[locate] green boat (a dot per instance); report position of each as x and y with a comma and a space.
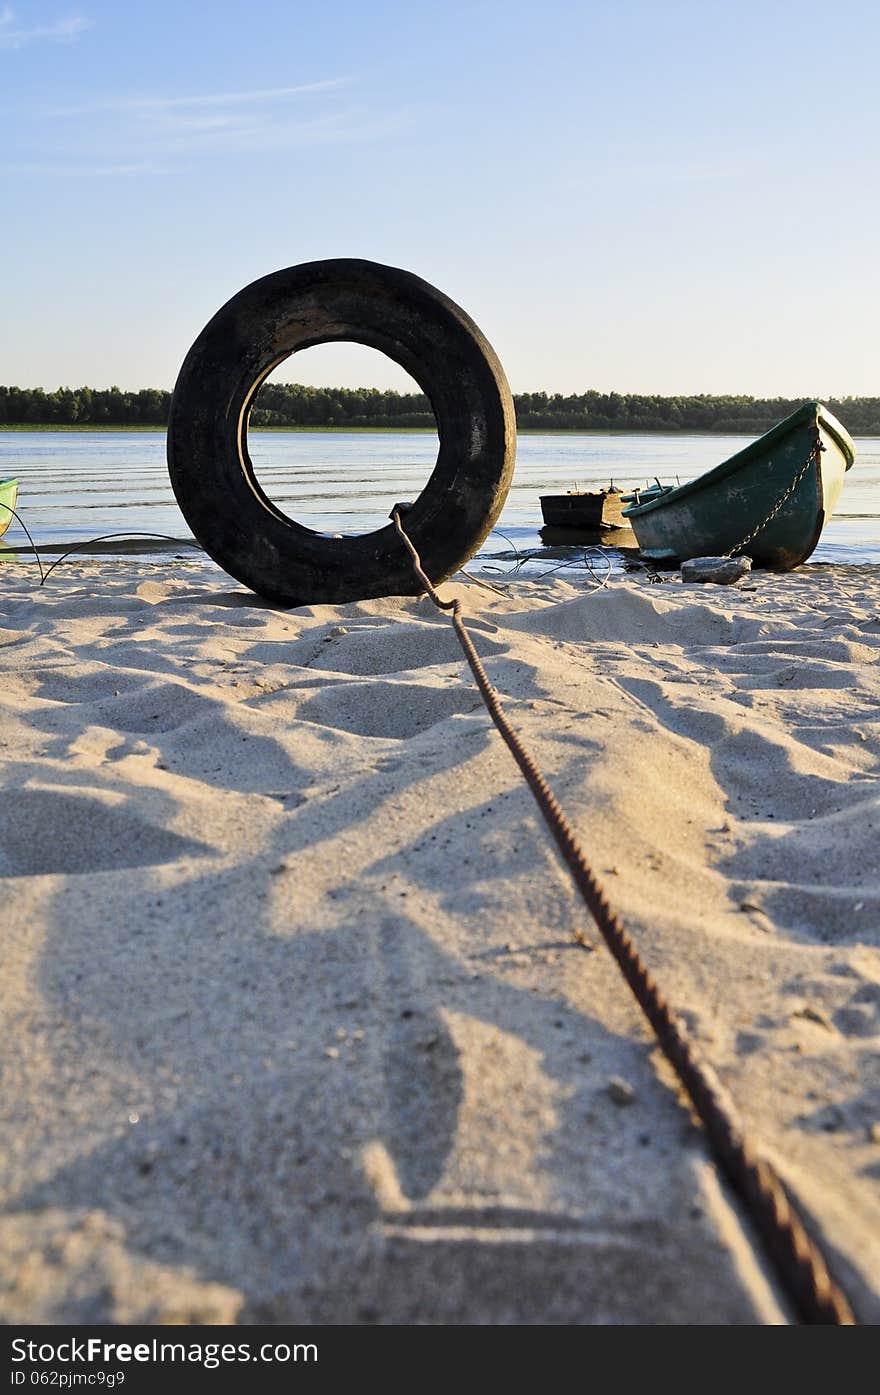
769, 502
8, 496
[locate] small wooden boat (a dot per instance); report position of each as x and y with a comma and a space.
8, 496
769, 502
590, 512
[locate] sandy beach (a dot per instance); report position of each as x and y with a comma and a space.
295, 1027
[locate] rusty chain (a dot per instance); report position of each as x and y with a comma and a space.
797, 1259
815, 452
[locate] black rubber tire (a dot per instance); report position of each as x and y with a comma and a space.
315, 303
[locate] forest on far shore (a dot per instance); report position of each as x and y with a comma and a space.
293, 405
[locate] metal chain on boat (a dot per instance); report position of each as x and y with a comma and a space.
815, 452
798, 1261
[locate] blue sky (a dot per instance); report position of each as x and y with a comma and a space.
648, 197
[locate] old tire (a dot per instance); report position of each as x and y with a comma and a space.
418, 327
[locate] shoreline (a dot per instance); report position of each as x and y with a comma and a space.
20, 428
291, 968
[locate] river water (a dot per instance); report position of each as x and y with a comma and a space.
79, 484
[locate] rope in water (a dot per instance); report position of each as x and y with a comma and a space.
16, 515
46, 572
798, 1261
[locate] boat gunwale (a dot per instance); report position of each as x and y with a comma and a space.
811, 412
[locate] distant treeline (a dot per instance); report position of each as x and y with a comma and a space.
290, 404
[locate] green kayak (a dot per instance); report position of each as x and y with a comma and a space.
769, 502
8, 496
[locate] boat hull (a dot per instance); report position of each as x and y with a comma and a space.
597, 510
8, 496
711, 516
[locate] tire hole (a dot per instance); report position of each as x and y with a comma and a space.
337, 434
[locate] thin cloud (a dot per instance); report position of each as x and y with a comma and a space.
166, 149
63, 31
168, 130
622, 169
185, 137
208, 99
81, 171
697, 174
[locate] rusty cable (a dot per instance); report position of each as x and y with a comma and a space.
796, 1257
